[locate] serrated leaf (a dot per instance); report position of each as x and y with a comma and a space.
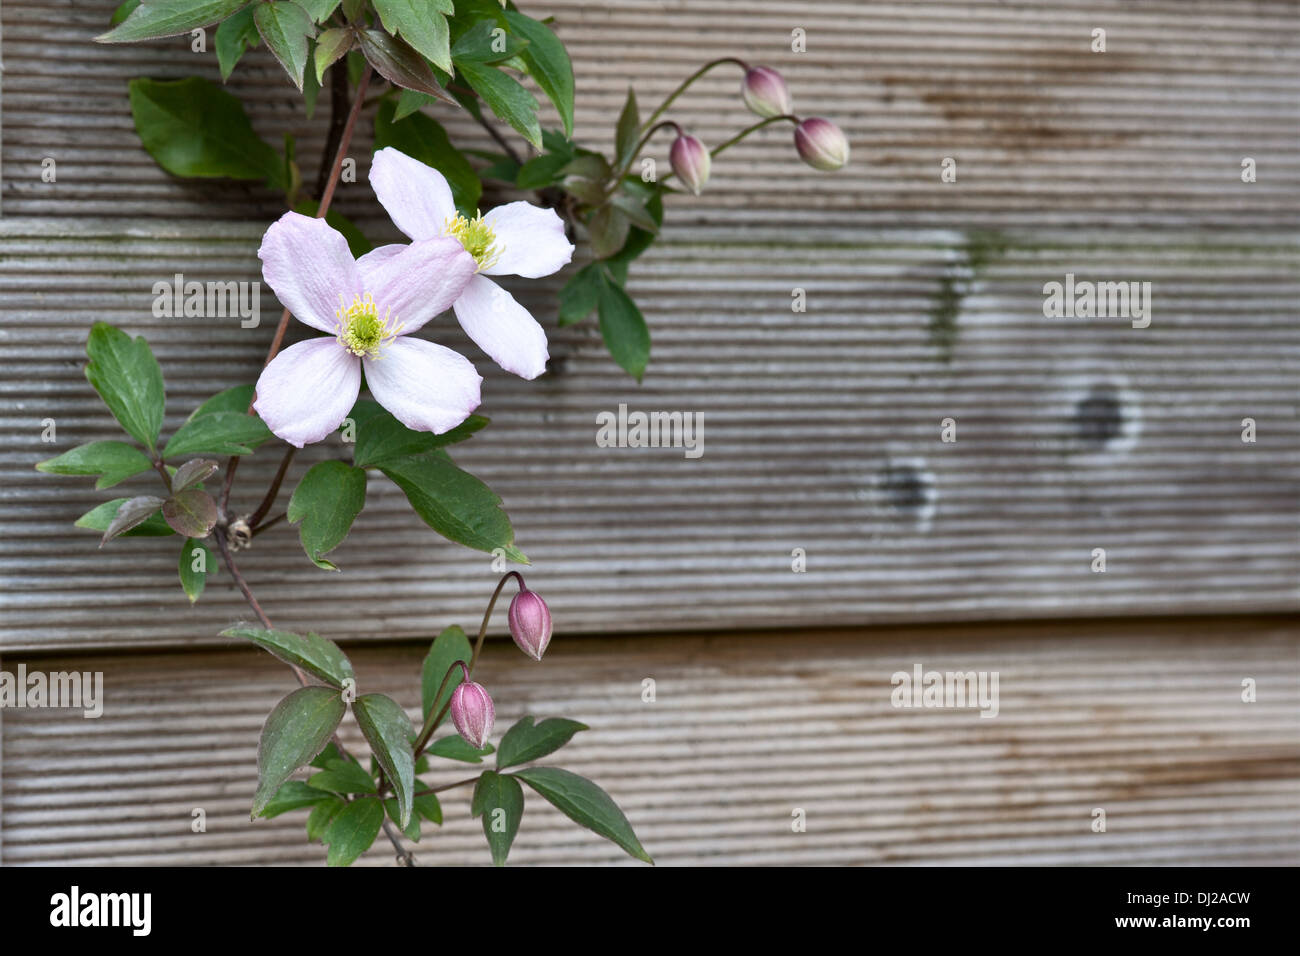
191, 512
526, 741
353, 831
193, 128
505, 97
331, 46
295, 732
499, 800
101, 516
285, 28
400, 65
455, 748
627, 132
548, 64
234, 36
326, 502
112, 461
293, 795
218, 433
127, 377
453, 502
169, 18
421, 25
580, 295
422, 137
448, 647
196, 563
585, 804
624, 330
133, 512
380, 437
388, 731
343, 776
315, 654
193, 472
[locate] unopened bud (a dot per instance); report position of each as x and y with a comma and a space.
472, 713
821, 144
690, 161
765, 92
530, 623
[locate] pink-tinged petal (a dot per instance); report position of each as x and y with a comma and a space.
418, 281
307, 262
532, 240
427, 387
307, 390
502, 328
376, 257
416, 196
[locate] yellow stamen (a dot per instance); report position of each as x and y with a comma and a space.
360, 330
477, 237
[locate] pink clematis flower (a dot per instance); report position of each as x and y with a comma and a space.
369, 307
515, 239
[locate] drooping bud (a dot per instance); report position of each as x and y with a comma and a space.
821, 144
765, 92
472, 713
530, 623
690, 161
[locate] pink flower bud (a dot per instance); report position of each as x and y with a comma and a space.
765, 92
530, 623
691, 161
472, 713
821, 144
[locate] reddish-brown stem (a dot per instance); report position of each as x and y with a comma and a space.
269, 499
450, 786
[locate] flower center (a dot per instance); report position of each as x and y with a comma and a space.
477, 237
361, 330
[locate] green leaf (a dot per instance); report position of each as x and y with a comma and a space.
421, 137
388, 731
194, 472
169, 18
293, 795
499, 800
585, 804
455, 747
453, 502
548, 64
237, 399
343, 776
123, 11
627, 133
297, 730
327, 500
315, 654
412, 828
506, 98
427, 805
624, 330
101, 516
112, 461
234, 36
380, 437
353, 831
400, 65
541, 171
635, 211
330, 46
194, 128
608, 229
322, 815
133, 512
195, 564
526, 741
319, 10
191, 512
421, 24
128, 379
218, 433
285, 28
481, 43
448, 647
581, 293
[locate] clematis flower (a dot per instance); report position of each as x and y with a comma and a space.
515, 239
369, 307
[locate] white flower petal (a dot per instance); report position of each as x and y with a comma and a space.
418, 281
416, 196
427, 387
502, 328
307, 390
307, 263
376, 257
532, 239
